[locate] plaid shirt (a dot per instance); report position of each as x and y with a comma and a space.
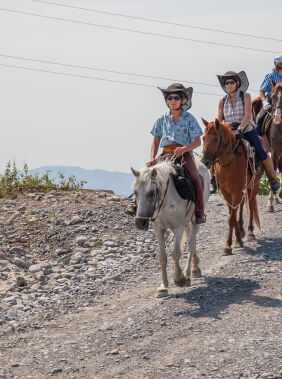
236, 113
266, 84
184, 131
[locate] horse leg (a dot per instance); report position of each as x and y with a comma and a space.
270, 207
241, 221
178, 277
238, 242
253, 213
280, 189
191, 231
162, 290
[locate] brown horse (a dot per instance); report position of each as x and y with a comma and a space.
233, 177
273, 134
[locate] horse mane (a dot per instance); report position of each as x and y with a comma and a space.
164, 169
227, 134
276, 88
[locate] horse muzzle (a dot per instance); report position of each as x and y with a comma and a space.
277, 116
142, 223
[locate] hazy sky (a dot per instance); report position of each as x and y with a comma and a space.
49, 119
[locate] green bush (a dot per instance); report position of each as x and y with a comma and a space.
13, 181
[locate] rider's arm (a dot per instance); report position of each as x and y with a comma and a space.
262, 95
220, 110
154, 148
248, 112
196, 143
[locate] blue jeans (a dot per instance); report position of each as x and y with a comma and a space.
253, 138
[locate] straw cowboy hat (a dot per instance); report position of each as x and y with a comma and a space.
239, 77
186, 94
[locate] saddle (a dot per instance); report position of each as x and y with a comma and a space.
253, 163
183, 182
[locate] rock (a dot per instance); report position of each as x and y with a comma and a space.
61, 251
19, 262
80, 240
12, 218
35, 268
18, 251
21, 282
75, 220
39, 275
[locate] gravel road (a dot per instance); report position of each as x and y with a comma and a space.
88, 308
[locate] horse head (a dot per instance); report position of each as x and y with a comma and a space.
276, 99
146, 191
218, 140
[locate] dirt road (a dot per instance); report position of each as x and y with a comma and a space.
226, 325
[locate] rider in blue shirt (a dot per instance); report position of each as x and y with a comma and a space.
265, 91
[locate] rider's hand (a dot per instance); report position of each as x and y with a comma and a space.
266, 105
179, 151
238, 134
151, 163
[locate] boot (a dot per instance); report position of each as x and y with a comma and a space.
271, 174
131, 208
200, 218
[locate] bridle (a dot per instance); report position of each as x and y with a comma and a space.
222, 149
158, 204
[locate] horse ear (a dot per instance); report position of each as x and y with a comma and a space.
154, 173
135, 172
217, 123
205, 122
272, 83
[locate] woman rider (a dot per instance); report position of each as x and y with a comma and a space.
235, 109
178, 132
265, 91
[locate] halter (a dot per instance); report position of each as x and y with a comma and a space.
223, 146
157, 208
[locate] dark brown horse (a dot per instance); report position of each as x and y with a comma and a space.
233, 177
273, 134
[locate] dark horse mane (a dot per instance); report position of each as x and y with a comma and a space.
276, 88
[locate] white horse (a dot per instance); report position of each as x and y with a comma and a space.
157, 200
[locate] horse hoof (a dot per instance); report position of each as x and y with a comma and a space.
242, 234
251, 237
196, 273
162, 292
276, 200
183, 282
227, 252
270, 209
238, 244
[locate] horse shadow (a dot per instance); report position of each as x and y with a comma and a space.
219, 294
269, 249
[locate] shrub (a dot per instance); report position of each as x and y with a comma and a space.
13, 181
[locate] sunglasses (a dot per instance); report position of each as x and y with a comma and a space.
229, 82
174, 97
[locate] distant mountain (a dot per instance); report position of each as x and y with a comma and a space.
119, 182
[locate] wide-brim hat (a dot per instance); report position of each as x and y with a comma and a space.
240, 77
186, 94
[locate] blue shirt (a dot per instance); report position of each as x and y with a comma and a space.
184, 131
266, 84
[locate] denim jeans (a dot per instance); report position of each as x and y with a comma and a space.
253, 138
